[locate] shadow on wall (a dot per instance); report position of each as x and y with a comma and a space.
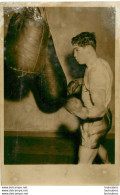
75, 69
50, 86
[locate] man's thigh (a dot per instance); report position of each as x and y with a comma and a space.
93, 133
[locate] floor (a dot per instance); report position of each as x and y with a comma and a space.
59, 149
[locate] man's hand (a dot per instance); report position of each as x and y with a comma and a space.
81, 113
73, 104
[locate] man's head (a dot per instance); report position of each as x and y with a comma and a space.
84, 44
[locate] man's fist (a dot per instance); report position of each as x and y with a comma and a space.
73, 104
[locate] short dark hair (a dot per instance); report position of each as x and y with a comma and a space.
85, 38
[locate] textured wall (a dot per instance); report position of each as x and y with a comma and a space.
64, 24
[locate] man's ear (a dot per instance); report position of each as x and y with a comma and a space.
89, 49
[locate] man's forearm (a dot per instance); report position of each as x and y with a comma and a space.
92, 112
96, 112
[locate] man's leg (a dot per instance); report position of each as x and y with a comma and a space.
91, 136
86, 155
103, 154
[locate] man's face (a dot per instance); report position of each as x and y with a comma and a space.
80, 54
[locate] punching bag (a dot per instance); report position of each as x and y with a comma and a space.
31, 56
26, 42
50, 86
24, 48
15, 88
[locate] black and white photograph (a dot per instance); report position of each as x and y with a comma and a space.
59, 86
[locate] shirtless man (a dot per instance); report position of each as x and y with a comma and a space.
93, 107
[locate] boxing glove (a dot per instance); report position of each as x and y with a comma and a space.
74, 87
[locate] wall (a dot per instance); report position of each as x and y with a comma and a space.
64, 24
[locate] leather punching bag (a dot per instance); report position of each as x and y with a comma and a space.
24, 47
15, 88
26, 42
31, 58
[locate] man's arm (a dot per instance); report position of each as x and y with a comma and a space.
97, 84
98, 109
97, 87
95, 111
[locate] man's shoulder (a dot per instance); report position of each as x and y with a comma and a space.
100, 67
101, 60
100, 74
105, 68
103, 63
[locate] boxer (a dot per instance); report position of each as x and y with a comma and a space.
93, 105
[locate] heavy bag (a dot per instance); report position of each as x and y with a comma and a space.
15, 88
50, 86
24, 48
26, 42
